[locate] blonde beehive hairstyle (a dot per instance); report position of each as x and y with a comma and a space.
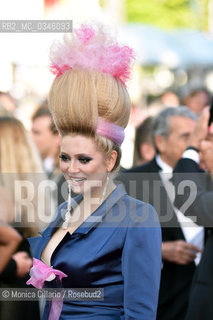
78, 97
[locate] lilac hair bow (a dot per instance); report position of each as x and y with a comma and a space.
40, 272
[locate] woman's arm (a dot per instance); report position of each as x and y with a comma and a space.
141, 265
9, 241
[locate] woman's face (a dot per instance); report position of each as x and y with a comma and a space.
81, 163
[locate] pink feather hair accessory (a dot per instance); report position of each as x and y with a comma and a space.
91, 47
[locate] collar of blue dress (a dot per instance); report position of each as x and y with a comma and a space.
93, 220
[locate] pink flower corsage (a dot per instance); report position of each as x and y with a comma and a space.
40, 272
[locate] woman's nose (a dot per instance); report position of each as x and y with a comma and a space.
73, 167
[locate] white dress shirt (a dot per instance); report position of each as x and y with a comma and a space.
193, 233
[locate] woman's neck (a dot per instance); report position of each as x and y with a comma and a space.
93, 200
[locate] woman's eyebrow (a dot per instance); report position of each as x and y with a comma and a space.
83, 155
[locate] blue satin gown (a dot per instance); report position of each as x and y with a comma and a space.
118, 249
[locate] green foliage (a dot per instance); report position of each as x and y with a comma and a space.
102, 3
165, 13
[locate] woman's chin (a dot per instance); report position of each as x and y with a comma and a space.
77, 189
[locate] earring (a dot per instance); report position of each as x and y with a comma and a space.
105, 188
68, 213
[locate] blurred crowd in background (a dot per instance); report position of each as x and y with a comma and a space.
168, 73
173, 46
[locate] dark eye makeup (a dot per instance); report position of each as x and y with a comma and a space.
64, 158
84, 159
81, 158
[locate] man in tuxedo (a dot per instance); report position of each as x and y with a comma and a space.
151, 183
199, 190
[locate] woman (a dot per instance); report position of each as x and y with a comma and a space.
103, 238
20, 176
